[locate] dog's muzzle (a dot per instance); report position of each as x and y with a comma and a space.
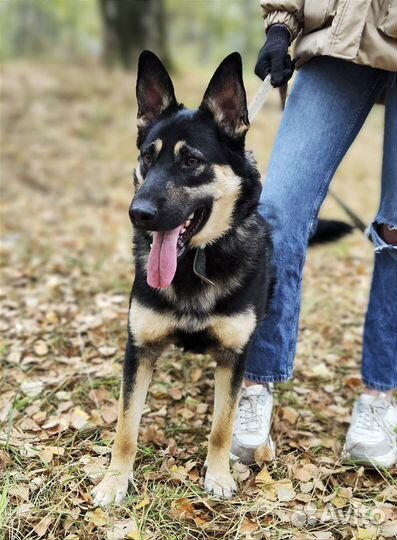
143, 214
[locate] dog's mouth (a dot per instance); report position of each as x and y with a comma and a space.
191, 226
169, 246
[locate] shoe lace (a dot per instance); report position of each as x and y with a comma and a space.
251, 412
372, 417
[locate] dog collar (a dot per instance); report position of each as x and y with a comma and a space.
199, 265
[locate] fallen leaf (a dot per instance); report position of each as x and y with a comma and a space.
42, 527
32, 388
109, 413
290, 414
123, 529
264, 454
306, 487
178, 473
323, 535
248, 526
266, 483
106, 352
321, 371
28, 424
175, 393
389, 529
144, 502
41, 348
285, 490
197, 373
20, 491
79, 418
306, 472
201, 522
342, 497
240, 471
14, 356
263, 478
93, 467
353, 382
182, 509
97, 517
367, 534
46, 455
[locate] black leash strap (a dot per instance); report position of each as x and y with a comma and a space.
352, 215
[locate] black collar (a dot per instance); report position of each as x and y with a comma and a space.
199, 265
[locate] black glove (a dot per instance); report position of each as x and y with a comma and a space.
274, 58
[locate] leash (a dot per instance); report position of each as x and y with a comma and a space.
360, 225
259, 99
253, 109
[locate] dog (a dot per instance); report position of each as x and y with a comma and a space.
203, 271
203, 256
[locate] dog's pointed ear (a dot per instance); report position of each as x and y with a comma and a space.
154, 92
225, 97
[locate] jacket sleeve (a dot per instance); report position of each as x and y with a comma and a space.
288, 12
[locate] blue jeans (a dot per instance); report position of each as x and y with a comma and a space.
329, 103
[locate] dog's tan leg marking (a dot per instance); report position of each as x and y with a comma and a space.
147, 325
218, 480
113, 487
234, 331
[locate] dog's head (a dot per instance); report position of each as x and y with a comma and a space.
193, 174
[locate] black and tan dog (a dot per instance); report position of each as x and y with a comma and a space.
202, 255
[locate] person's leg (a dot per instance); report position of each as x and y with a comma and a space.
327, 107
379, 364
371, 438
328, 104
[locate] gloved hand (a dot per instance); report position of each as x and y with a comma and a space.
274, 58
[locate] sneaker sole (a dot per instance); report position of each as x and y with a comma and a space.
384, 462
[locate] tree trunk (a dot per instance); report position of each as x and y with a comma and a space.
130, 26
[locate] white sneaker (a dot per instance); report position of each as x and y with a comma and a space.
252, 423
371, 438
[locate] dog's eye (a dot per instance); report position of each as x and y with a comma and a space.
191, 162
147, 158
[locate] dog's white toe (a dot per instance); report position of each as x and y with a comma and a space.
112, 489
221, 486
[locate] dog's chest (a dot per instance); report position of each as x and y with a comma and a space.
194, 305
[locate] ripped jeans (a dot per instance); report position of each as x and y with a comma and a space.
329, 103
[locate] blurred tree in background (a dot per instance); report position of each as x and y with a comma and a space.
129, 26
181, 32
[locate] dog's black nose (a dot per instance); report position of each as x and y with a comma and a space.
143, 213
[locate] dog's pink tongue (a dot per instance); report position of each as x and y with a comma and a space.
163, 258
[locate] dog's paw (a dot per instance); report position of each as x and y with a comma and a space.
112, 489
221, 486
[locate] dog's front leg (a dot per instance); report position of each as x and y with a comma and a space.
137, 374
228, 378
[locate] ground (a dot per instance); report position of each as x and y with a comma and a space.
68, 150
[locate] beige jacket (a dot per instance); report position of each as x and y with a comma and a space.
362, 31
